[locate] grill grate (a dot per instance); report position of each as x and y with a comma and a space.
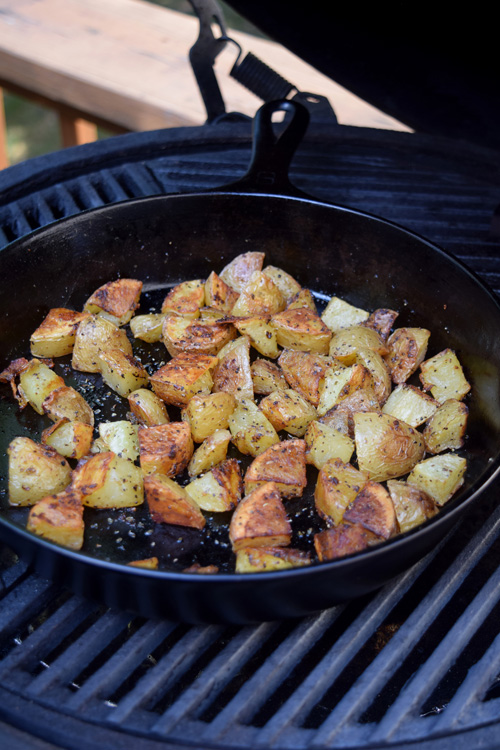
417, 662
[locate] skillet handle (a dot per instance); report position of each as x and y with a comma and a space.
272, 153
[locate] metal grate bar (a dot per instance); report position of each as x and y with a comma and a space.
10, 576
139, 179
346, 713
21, 603
111, 188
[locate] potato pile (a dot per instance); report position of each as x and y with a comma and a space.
255, 370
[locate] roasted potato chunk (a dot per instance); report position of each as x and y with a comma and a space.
185, 299
165, 448
342, 540
340, 416
444, 377
348, 341
252, 432
412, 506
207, 413
374, 510
149, 563
302, 329
288, 410
211, 452
440, 476
168, 502
94, 336
261, 334
232, 373
237, 273
116, 300
69, 439
304, 298
147, 407
386, 447
183, 377
340, 314
341, 382
337, 485
55, 336
407, 349
59, 518
120, 437
382, 321
219, 490
218, 294
107, 481
324, 442
266, 377
445, 430
260, 520
376, 366
37, 381
207, 336
259, 296
66, 403
304, 372
147, 327
284, 464
123, 373
410, 404
288, 286
35, 471
262, 559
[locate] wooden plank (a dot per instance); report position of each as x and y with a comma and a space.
126, 61
4, 156
75, 131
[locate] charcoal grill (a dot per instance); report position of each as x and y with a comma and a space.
417, 664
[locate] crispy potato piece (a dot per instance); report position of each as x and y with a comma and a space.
304, 298
10, 374
386, 447
211, 452
338, 419
440, 476
107, 481
301, 329
324, 442
116, 301
55, 336
412, 506
218, 294
206, 336
342, 540
337, 485
238, 271
266, 377
259, 296
261, 334
382, 321
207, 413
95, 335
59, 518
149, 563
168, 502
445, 430
340, 416
35, 471
252, 432
120, 437
233, 374
288, 410
260, 520
376, 366
147, 407
220, 489
374, 510
410, 404
202, 570
37, 381
284, 464
340, 314
165, 448
147, 327
123, 373
183, 377
304, 372
185, 299
341, 382
69, 439
66, 403
444, 377
288, 286
348, 341
407, 349
261, 559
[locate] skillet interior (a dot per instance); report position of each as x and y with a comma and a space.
331, 250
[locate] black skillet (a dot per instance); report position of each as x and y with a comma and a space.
329, 249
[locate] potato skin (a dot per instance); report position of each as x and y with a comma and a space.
165, 448
342, 540
284, 464
115, 300
35, 471
386, 447
168, 502
374, 510
260, 520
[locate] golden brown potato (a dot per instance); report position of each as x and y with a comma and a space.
147, 407
261, 334
147, 327
260, 520
284, 464
412, 506
202, 570
381, 320
149, 563
445, 430
232, 373
168, 502
267, 377
69, 439
377, 367
10, 374
304, 372
348, 341
123, 373
304, 298
206, 336
211, 452
340, 314
59, 518
340, 383
207, 413
386, 447
302, 329
218, 295
35, 471
219, 490
120, 437
407, 349
340, 416
337, 485
185, 299
262, 559
288, 286
374, 510
410, 404
37, 381
259, 296
55, 336
238, 271
440, 476
444, 377
342, 540
94, 335
107, 481
324, 442
165, 448
288, 410
116, 301
252, 432
183, 377
66, 403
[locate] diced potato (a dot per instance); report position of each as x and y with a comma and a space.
348, 341
288, 286
206, 336
55, 336
382, 321
412, 506
440, 476
59, 518
259, 296
374, 510
445, 430
202, 570
10, 374
211, 452
183, 377
444, 377
261, 334
220, 489
324, 442
304, 372
341, 382
116, 301
95, 335
149, 563
35, 471
304, 298
238, 271
147, 407
340, 416
407, 349
37, 381
301, 329
260, 520
386, 447
342, 540
147, 327
340, 314
218, 295
261, 559
284, 464
337, 485
207, 413
165, 448
69, 439
168, 502
266, 377
107, 481
120, 437
376, 366
288, 410
123, 373
233, 374
252, 433
185, 299
410, 404
338, 419
66, 403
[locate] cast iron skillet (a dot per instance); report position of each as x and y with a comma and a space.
330, 249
